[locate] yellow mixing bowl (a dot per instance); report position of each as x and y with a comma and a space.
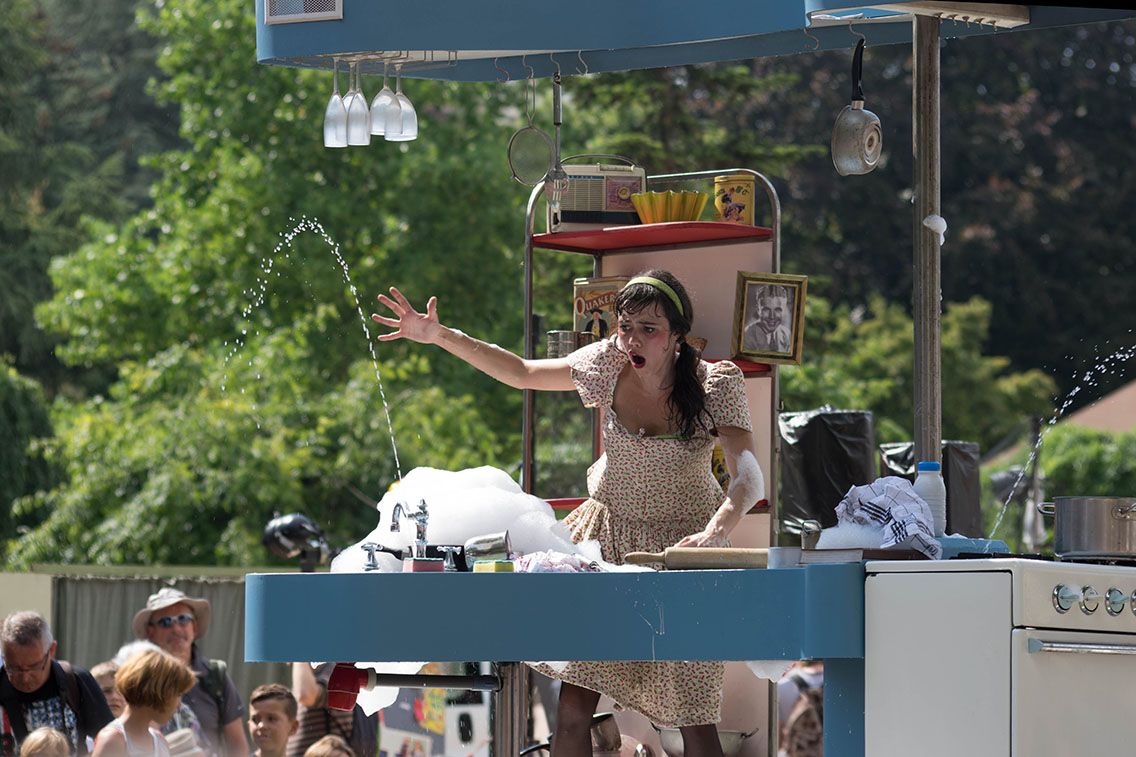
659, 207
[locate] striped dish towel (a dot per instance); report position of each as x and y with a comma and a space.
891, 502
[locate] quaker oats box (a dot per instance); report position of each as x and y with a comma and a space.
593, 304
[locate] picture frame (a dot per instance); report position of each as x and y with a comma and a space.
769, 317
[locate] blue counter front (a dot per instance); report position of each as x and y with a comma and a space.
791, 613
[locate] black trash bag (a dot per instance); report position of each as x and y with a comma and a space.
824, 453
960, 474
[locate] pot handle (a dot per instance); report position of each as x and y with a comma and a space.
1125, 512
858, 72
1047, 508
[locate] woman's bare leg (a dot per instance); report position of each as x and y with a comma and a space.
573, 737
701, 741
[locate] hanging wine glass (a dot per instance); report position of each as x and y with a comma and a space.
335, 115
358, 112
408, 126
383, 101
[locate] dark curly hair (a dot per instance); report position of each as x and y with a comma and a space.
686, 404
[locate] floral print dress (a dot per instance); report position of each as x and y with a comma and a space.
645, 494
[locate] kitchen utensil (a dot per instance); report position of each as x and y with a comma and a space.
488, 547
810, 533
564, 343
661, 207
857, 139
1093, 527
556, 181
530, 149
407, 129
693, 558
383, 101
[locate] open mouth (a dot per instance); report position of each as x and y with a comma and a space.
638, 360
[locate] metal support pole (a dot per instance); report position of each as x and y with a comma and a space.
528, 402
927, 287
510, 709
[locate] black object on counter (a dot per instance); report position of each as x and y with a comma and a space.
824, 453
960, 474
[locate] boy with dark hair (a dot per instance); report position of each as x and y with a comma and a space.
272, 719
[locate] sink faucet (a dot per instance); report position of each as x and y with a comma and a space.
420, 519
396, 517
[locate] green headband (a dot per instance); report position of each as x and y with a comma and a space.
662, 286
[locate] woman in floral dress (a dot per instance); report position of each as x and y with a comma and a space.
664, 410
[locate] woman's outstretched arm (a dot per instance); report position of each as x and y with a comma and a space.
425, 328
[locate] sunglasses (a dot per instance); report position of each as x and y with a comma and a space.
170, 620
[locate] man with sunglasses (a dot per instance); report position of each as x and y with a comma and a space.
175, 622
37, 690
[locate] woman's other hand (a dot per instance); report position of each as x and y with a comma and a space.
707, 538
408, 322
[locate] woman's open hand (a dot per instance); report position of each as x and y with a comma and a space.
408, 322
707, 538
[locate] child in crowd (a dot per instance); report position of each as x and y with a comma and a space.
46, 742
272, 719
152, 684
330, 746
104, 674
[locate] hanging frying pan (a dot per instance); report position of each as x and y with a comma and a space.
857, 139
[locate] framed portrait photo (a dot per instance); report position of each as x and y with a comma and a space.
769, 317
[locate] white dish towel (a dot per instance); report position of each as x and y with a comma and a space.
891, 503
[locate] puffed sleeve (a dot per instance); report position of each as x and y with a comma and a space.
725, 396
595, 369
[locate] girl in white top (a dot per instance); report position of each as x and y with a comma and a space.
152, 683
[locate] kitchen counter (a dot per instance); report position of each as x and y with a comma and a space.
815, 611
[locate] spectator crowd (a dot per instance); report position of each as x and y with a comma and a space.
161, 696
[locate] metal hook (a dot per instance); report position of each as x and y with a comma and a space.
816, 42
580, 56
532, 71
856, 33
555, 63
505, 71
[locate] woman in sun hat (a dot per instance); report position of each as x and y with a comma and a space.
175, 622
664, 409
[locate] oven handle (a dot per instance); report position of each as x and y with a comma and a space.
1068, 647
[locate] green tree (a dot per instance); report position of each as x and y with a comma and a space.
24, 421
862, 359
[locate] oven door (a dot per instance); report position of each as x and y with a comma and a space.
1071, 693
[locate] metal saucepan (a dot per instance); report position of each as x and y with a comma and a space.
857, 137
1099, 528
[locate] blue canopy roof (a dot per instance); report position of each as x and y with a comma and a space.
486, 40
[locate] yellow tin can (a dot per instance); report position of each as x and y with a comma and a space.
733, 198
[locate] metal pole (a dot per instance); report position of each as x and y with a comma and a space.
510, 709
528, 402
927, 287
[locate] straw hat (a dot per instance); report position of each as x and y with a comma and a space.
165, 598
183, 744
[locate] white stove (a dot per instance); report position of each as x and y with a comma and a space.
1008, 656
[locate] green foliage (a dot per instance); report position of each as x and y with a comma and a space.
862, 359
171, 469
1083, 462
23, 422
74, 119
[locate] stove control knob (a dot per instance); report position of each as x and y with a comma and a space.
1114, 600
1064, 597
1090, 600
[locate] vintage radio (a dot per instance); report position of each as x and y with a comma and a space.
598, 195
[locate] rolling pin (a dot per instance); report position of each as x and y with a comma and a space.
688, 558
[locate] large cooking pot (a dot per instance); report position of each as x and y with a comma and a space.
1100, 528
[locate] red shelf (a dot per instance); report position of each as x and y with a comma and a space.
649, 235
749, 368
